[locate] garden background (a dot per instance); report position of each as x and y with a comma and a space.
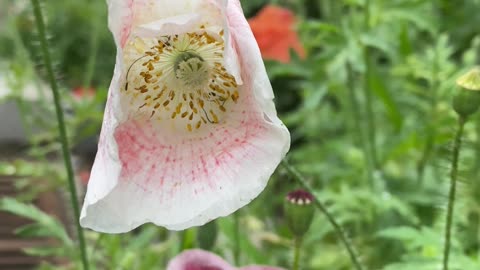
366, 92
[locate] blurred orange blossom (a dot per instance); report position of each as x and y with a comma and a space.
273, 28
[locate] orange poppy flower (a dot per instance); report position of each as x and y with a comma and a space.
273, 28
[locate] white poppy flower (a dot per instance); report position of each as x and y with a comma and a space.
190, 131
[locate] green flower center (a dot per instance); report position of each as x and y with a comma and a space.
191, 69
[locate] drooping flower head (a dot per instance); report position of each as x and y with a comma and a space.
273, 28
190, 131
197, 259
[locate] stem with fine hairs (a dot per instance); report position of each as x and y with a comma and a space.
338, 228
453, 186
61, 129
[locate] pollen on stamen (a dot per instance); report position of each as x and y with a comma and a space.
181, 78
179, 108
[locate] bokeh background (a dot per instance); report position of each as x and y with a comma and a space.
366, 94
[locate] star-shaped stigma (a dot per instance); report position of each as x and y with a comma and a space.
180, 78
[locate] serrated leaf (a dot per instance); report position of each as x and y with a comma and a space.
379, 87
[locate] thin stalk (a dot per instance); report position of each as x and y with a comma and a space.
236, 233
338, 228
430, 138
477, 156
186, 240
453, 186
358, 132
92, 59
325, 9
478, 236
62, 130
371, 127
296, 253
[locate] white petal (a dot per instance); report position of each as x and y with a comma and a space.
144, 174
247, 47
178, 183
169, 26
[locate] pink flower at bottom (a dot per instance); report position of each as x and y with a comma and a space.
190, 130
197, 259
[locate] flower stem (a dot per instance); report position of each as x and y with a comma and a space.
430, 138
186, 240
358, 132
296, 255
236, 233
62, 130
371, 128
92, 59
338, 228
453, 186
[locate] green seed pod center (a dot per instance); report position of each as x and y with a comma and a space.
191, 69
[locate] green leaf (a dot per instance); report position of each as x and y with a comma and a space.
33, 230
379, 87
45, 225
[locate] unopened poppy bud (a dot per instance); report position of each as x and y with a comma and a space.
467, 101
207, 235
299, 211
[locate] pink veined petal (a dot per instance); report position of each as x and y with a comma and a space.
197, 259
144, 173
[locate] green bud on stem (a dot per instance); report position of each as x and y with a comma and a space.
467, 101
299, 211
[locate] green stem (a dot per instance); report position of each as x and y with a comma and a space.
236, 248
186, 240
358, 132
62, 130
296, 254
453, 186
371, 128
92, 59
338, 228
430, 138
477, 156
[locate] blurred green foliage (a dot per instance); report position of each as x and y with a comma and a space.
393, 210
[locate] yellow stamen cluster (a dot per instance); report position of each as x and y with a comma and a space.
181, 78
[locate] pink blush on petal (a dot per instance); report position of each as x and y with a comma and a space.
127, 26
187, 160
